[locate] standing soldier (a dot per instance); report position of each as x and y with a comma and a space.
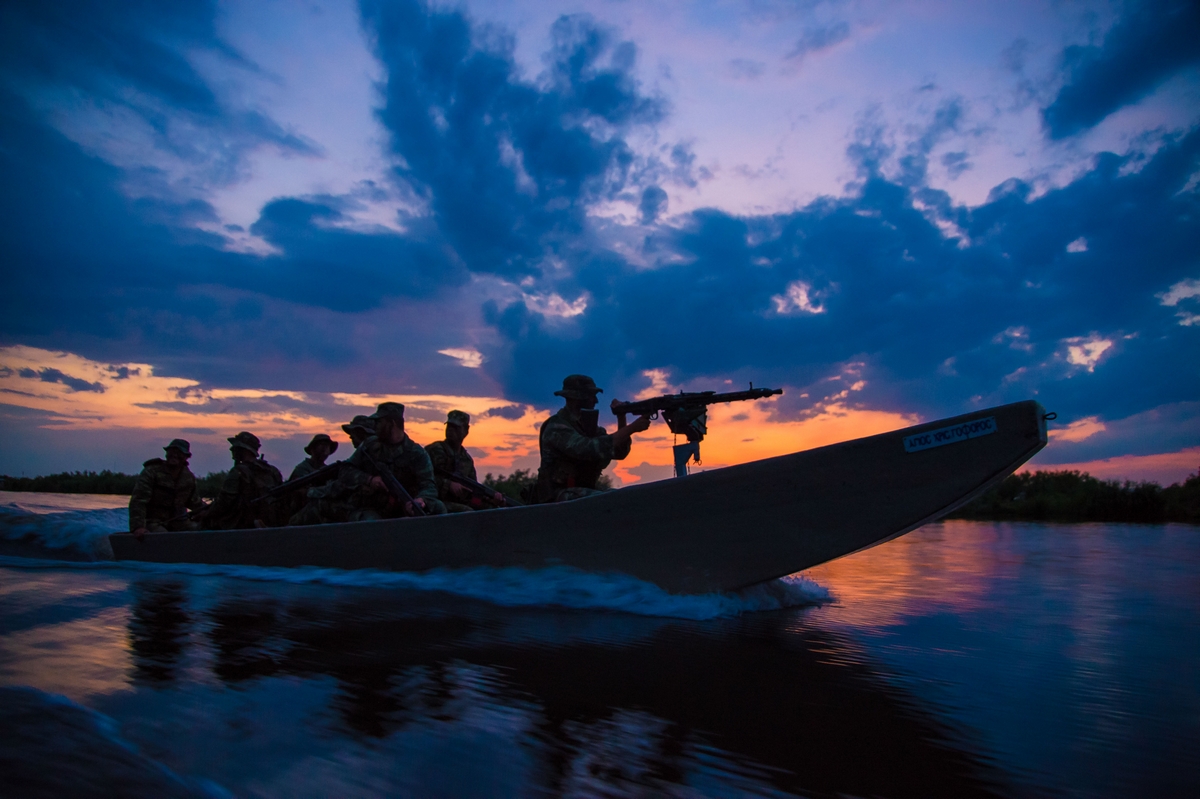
359, 430
575, 449
164, 492
450, 457
250, 478
390, 448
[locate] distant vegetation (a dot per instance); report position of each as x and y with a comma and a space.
1070, 496
104, 482
1065, 496
511, 485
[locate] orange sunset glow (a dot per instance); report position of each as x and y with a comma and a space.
97, 396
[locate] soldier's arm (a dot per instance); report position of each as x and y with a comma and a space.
422, 469
469, 468
139, 500
443, 485
194, 502
575, 445
227, 498
355, 474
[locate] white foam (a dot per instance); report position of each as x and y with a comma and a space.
85, 533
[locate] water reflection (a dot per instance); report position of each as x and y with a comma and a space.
158, 627
788, 708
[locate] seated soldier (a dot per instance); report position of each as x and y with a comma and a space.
250, 478
319, 449
450, 457
390, 448
575, 450
360, 429
164, 492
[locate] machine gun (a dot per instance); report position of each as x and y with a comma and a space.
398, 492
477, 489
327, 472
686, 413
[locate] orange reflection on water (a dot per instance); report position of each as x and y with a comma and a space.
942, 566
77, 658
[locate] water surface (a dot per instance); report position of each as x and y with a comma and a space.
965, 659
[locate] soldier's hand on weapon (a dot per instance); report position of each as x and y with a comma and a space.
640, 424
459, 490
419, 502
139, 533
377, 484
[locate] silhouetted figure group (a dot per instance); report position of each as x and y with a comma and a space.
388, 475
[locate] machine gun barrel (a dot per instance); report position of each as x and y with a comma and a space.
690, 399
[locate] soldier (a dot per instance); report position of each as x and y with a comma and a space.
575, 450
250, 478
164, 492
452, 457
320, 448
360, 429
390, 448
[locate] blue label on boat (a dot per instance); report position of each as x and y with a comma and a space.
950, 435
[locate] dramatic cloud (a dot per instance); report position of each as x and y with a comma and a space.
536, 215
1149, 44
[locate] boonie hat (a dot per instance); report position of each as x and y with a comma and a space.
360, 422
321, 438
244, 440
459, 418
181, 445
389, 410
578, 387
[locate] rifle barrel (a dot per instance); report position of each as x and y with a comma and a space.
394, 486
477, 487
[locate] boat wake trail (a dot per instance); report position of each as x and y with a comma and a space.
69, 535
78, 539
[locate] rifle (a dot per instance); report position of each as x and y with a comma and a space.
478, 489
686, 413
398, 492
326, 472
187, 514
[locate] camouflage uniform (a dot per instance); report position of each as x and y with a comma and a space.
246, 481
457, 462
296, 499
407, 461
158, 498
574, 457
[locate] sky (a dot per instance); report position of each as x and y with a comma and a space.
272, 215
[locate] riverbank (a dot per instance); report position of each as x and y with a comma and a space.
1071, 496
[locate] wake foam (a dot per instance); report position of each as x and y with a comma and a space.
49, 540
76, 534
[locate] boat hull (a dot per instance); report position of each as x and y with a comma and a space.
715, 531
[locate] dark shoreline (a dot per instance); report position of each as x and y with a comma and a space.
1043, 496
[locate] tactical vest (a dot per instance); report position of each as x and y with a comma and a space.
558, 471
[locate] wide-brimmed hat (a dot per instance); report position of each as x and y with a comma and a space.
321, 438
181, 445
389, 410
244, 440
460, 418
578, 387
360, 422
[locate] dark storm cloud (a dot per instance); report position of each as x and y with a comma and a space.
509, 168
55, 376
899, 287
1149, 44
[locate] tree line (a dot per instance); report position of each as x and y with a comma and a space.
1067, 496
1072, 496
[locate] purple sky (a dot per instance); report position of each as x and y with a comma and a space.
947, 205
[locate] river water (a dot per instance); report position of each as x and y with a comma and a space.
964, 659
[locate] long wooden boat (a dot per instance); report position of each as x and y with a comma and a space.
719, 530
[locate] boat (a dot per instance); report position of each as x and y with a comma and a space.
714, 531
